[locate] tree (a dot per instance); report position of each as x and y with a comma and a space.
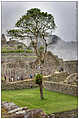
34, 24
38, 79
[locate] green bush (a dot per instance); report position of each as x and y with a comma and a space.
19, 47
38, 79
15, 51
12, 51
28, 51
19, 51
41, 49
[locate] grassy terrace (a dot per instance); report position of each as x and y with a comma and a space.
53, 102
5, 50
21, 56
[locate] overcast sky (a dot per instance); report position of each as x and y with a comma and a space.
65, 14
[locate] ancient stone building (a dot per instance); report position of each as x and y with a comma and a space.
71, 66
16, 64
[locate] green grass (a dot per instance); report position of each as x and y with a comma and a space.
4, 50
53, 102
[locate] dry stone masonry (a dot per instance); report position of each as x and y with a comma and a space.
58, 76
61, 88
13, 111
62, 82
18, 85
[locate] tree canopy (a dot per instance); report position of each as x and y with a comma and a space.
34, 24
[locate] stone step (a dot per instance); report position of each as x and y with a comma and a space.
17, 109
9, 106
21, 112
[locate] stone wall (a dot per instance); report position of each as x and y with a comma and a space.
71, 66
65, 114
11, 57
52, 63
57, 77
72, 79
18, 85
23, 64
61, 87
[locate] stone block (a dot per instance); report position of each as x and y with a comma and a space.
9, 106
35, 113
60, 87
16, 116
21, 112
15, 110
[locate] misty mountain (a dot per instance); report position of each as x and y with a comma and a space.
53, 39
65, 50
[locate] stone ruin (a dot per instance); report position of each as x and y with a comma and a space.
72, 79
13, 69
24, 67
62, 82
14, 111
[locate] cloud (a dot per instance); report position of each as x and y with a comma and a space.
65, 14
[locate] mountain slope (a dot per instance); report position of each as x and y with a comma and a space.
65, 50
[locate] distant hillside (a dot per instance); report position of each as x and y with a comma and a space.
65, 50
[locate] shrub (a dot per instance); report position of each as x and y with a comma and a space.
38, 79
19, 47
41, 49
28, 51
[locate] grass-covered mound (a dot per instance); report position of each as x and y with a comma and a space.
53, 102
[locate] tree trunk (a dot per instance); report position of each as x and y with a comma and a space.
41, 91
35, 46
44, 55
36, 51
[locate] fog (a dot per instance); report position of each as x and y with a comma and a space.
64, 50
